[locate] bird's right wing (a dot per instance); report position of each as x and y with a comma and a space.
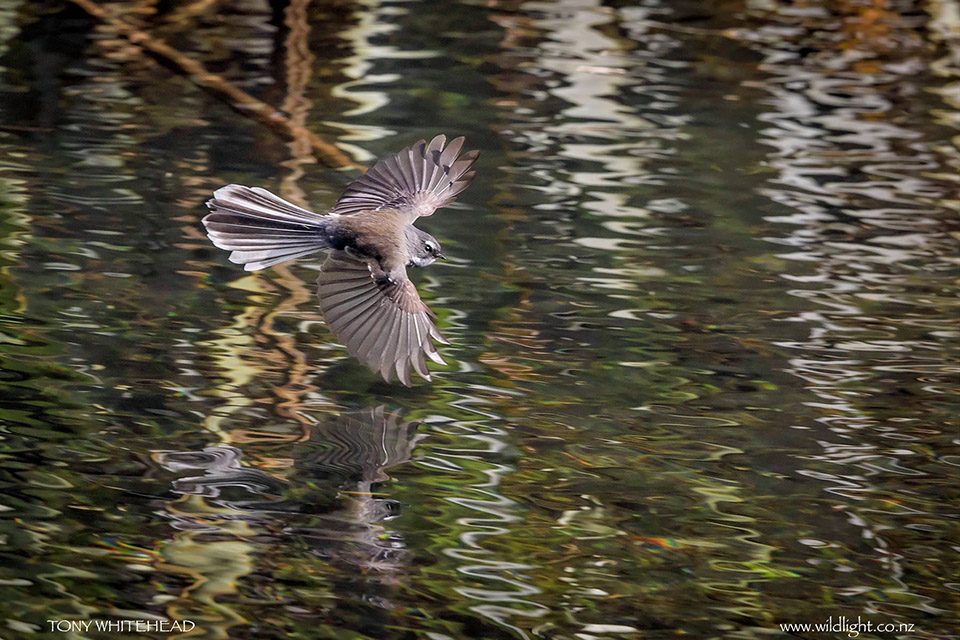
416, 181
386, 326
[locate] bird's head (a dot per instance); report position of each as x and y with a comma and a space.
424, 248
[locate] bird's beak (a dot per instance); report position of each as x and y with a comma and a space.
441, 256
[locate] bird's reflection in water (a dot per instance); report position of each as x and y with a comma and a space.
223, 478
326, 502
353, 454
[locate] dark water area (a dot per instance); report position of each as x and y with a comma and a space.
702, 299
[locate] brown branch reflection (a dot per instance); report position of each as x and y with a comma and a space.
242, 102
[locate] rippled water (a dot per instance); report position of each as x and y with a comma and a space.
702, 299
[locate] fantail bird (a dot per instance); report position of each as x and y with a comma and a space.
365, 294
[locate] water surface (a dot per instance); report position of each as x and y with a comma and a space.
702, 297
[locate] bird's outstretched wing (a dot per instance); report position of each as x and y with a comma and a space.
416, 181
384, 325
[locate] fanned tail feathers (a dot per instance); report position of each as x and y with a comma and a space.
261, 229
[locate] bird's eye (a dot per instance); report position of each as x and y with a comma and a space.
428, 247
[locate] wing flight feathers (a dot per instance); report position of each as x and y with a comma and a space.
386, 326
416, 181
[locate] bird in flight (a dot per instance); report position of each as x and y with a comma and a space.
366, 297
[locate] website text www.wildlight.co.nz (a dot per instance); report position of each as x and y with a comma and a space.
852, 628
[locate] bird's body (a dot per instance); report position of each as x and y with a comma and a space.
365, 294
385, 240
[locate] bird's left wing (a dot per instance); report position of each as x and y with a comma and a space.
416, 181
384, 325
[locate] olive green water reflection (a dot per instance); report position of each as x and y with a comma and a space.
703, 299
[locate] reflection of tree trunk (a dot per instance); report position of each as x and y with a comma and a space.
304, 146
242, 102
297, 65
217, 566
